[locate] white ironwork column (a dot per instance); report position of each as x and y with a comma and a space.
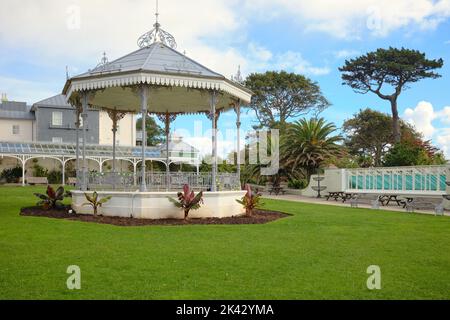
77, 142
115, 117
167, 119
167, 123
135, 174
238, 139
63, 172
144, 110
24, 163
214, 142
84, 116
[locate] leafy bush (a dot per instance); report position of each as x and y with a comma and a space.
94, 201
54, 177
51, 199
39, 171
298, 184
250, 201
403, 154
187, 200
12, 175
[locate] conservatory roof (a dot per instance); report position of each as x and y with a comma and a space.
69, 150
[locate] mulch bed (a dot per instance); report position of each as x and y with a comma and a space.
258, 217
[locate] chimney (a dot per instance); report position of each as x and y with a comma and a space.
4, 97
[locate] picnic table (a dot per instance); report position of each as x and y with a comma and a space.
408, 200
333, 195
277, 190
339, 196
387, 198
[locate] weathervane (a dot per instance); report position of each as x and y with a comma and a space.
157, 35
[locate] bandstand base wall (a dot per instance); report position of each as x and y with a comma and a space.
155, 205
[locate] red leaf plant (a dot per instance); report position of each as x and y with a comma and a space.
250, 201
187, 200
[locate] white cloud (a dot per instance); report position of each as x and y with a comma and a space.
429, 122
210, 32
48, 29
260, 53
422, 117
351, 19
23, 90
444, 115
344, 54
259, 58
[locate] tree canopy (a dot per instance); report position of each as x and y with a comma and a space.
282, 96
368, 135
155, 134
369, 138
309, 143
389, 69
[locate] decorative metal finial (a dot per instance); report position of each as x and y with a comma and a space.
157, 35
67, 73
103, 62
104, 66
238, 77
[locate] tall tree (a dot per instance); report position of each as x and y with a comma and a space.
280, 96
393, 68
369, 137
155, 134
309, 143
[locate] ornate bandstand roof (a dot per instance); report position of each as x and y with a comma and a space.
177, 83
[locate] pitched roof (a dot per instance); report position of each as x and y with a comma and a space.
157, 58
15, 110
59, 101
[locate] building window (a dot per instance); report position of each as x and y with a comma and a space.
57, 140
16, 129
57, 118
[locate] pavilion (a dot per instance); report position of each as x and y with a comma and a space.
157, 79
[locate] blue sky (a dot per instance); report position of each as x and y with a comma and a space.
38, 40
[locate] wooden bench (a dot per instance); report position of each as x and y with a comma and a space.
37, 180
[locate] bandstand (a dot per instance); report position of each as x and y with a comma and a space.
157, 80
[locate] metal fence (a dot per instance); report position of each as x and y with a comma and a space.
422, 180
162, 181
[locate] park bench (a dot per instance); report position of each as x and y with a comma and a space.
413, 204
370, 199
37, 180
72, 181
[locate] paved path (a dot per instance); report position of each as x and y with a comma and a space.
323, 201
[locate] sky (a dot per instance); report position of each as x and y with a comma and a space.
38, 39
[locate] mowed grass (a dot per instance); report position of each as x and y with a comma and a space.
321, 252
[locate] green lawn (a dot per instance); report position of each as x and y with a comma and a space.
321, 252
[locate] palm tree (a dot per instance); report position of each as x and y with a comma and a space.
308, 143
